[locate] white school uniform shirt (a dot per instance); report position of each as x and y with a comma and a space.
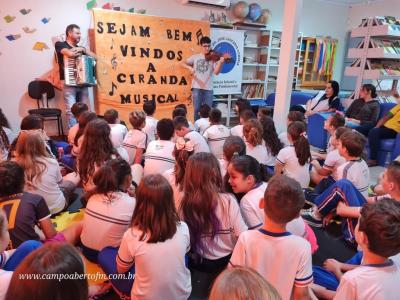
72, 133
329, 146
106, 220
201, 124
237, 130
283, 259
254, 216
215, 136
333, 161
5, 279
135, 139
283, 137
178, 194
260, 153
232, 225
158, 157
200, 144
357, 172
370, 282
117, 135
48, 185
150, 128
160, 271
287, 157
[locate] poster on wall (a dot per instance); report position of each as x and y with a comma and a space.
231, 42
139, 60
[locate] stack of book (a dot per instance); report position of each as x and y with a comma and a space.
390, 46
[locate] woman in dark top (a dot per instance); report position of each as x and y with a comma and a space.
363, 113
322, 102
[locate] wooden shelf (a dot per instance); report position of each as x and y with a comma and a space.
254, 65
372, 53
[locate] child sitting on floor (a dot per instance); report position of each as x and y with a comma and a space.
203, 123
233, 145
281, 258
183, 149
378, 235
292, 116
216, 134
10, 259
136, 140
182, 129
271, 140
255, 145
158, 157
109, 208
149, 107
156, 242
241, 283
244, 116
324, 176
294, 160
77, 109
25, 211
118, 130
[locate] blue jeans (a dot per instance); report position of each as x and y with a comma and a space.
199, 98
107, 261
329, 280
73, 94
374, 138
20, 253
342, 190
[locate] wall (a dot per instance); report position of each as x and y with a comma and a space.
20, 64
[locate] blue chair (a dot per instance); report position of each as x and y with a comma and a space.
317, 135
296, 98
387, 147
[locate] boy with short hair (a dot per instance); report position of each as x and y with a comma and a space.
118, 131
182, 129
203, 123
378, 236
149, 107
244, 117
136, 140
216, 134
180, 110
332, 123
281, 258
158, 157
77, 109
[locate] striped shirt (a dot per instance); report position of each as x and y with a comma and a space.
135, 139
357, 172
158, 157
106, 219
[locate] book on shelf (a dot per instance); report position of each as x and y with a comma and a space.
253, 91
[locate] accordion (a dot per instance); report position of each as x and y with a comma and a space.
79, 71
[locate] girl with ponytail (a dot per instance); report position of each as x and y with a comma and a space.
247, 176
213, 217
294, 160
109, 208
255, 145
184, 148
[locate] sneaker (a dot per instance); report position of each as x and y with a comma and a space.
322, 151
309, 218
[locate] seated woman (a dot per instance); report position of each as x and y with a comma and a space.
322, 102
363, 113
387, 128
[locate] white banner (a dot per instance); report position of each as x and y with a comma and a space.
226, 41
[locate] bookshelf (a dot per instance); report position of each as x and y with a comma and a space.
377, 56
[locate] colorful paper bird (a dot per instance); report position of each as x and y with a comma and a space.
9, 18
106, 6
46, 20
90, 4
25, 11
28, 30
131, 10
13, 37
40, 46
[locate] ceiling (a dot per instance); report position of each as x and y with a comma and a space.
350, 2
